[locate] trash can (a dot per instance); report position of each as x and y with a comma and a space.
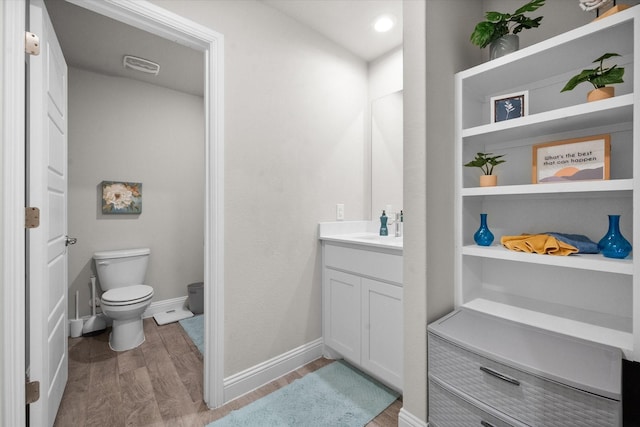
196, 297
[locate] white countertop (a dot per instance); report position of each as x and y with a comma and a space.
364, 233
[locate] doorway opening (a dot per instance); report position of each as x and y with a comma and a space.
162, 23
166, 25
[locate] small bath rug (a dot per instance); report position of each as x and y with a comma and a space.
194, 327
335, 395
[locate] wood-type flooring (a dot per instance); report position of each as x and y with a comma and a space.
157, 384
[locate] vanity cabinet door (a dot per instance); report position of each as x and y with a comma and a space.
382, 330
341, 315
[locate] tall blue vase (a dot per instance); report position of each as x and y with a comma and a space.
484, 236
613, 244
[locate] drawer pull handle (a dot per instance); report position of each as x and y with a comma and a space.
486, 424
497, 374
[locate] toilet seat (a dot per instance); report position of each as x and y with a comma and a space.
127, 295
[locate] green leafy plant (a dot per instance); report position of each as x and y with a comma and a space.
599, 77
500, 24
486, 162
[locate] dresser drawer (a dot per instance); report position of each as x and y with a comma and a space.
528, 398
448, 410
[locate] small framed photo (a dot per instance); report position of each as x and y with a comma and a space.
579, 159
121, 197
510, 106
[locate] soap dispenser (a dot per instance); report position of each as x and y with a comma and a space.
383, 224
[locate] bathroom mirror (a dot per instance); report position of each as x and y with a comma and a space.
386, 153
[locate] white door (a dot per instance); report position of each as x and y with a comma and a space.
341, 313
46, 245
382, 341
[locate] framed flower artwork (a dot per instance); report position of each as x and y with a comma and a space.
121, 197
510, 106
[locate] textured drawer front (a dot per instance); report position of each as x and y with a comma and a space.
534, 401
448, 410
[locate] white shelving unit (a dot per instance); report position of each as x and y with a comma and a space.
586, 296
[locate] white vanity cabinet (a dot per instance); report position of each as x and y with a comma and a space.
362, 307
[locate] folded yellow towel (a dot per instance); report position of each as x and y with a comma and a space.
538, 243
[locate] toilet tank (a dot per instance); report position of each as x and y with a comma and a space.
122, 267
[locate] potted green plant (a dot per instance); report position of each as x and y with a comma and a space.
486, 162
500, 30
599, 77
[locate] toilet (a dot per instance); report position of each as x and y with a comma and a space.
121, 274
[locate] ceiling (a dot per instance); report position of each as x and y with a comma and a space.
349, 23
94, 42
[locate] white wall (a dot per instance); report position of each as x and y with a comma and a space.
428, 176
125, 130
2, 209
385, 74
294, 147
415, 200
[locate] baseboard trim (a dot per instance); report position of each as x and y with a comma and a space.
407, 419
165, 305
250, 379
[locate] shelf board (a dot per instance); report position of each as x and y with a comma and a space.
593, 262
567, 52
574, 328
589, 115
551, 188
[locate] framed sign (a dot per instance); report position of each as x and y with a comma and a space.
511, 106
579, 159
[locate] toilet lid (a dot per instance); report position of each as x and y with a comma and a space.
128, 295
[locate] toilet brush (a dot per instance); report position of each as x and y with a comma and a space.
95, 324
75, 325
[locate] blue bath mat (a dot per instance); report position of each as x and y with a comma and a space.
335, 395
194, 327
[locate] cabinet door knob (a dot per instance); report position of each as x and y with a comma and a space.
498, 375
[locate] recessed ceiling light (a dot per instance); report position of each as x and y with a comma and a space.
384, 23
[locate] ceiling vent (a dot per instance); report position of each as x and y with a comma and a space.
140, 64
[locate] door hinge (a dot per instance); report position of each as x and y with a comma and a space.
31, 217
31, 44
32, 389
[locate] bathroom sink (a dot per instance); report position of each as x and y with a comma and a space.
375, 239
379, 238
362, 233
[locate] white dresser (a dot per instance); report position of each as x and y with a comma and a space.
489, 371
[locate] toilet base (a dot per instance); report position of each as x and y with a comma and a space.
126, 334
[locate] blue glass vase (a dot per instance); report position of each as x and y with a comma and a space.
484, 236
613, 244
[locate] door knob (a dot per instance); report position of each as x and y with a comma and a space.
70, 241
